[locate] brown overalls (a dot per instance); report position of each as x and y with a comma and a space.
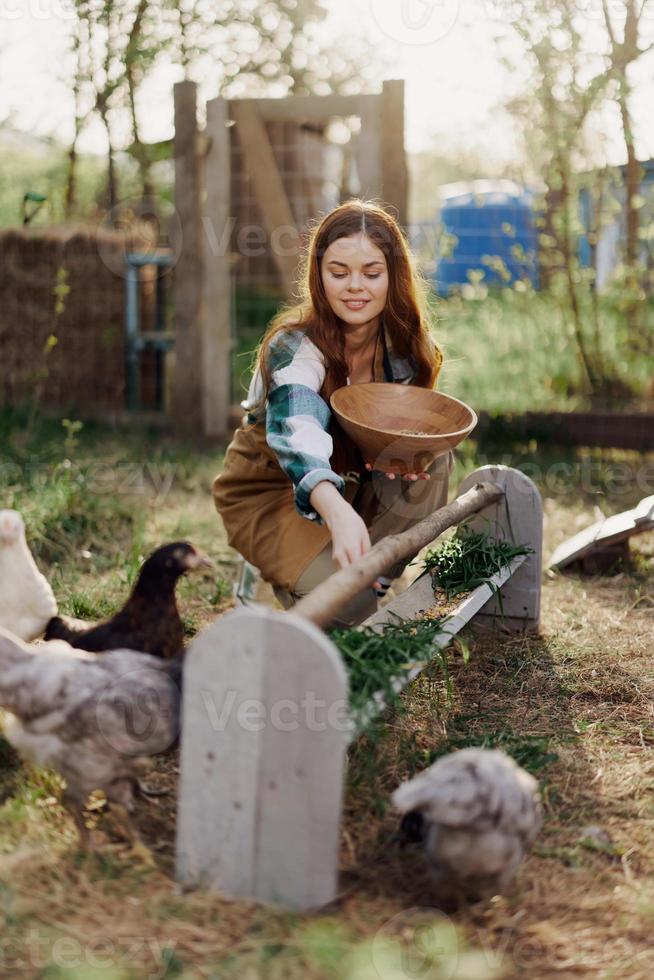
256, 502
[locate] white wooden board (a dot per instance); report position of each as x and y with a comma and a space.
261, 772
518, 518
604, 533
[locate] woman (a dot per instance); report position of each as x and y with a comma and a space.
296, 498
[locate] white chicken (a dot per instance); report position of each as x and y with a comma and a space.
477, 813
27, 602
94, 718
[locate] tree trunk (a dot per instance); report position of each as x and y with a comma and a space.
139, 150
569, 261
632, 184
71, 178
131, 71
111, 189
71, 174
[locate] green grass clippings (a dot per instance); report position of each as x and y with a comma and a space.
469, 559
374, 658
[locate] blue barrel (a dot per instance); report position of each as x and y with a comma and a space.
493, 231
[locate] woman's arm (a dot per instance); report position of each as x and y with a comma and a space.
349, 533
297, 418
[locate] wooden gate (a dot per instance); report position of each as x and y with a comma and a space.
246, 187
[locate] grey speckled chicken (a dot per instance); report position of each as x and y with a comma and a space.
477, 813
95, 719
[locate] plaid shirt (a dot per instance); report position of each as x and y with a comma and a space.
297, 418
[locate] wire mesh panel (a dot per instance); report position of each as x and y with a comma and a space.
250, 186
61, 319
311, 164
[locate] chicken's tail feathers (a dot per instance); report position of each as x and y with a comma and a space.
57, 629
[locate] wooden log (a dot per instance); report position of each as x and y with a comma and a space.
321, 605
260, 164
262, 756
187, 385
216, 282
610, 430
516, 516
394, 173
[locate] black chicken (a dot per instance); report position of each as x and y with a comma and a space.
149, 621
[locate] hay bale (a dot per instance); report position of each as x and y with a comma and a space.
65, 283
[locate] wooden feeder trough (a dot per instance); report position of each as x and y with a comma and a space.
265, 707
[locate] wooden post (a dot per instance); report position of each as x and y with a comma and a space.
216, 281
187, 387
394, 174
263, 747
517, 517
369, 149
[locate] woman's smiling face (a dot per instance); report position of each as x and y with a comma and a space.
355, 278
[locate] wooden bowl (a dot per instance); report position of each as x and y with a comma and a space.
401, 428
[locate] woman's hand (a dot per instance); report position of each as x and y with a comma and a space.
405, 476
350, 537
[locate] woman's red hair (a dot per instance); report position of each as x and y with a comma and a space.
405, 315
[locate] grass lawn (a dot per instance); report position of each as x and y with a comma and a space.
508, 352
573, 705
514, 352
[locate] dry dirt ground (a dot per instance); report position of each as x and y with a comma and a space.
574, 705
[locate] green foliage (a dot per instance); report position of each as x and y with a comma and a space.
59, 494
507, 350
84, 606
172, 965
84, 971
324, 944
569, 87
29, 166
72, 428
513, 350
469, 559
376, 658
221, 591
533, 752
253, 311
61, 290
